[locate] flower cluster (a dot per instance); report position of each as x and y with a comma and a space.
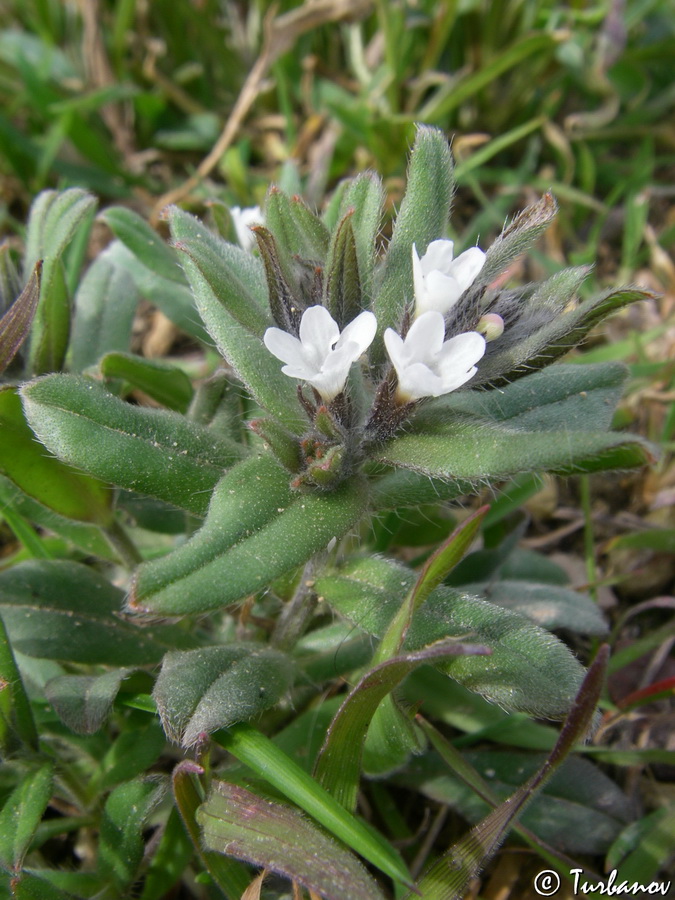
426, 365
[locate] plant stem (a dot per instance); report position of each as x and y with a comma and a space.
122, 544
298, 611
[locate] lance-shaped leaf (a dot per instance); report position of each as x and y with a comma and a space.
164, 382
473, 451
254, 532
253, 364
143, 241
83, 702
529, 670
563, 397
448, 878
439, 564
234, 276
122, 844
553, 339
58, 609
343, 292
278, 837
199, 691
105, 304
364, 200
16, 322
422, 218
21, 815
54, 221
10, 280
581, 809
338, 767
151, 451
270, 762
17, 725
52, 483
549, 605
229, 874
173, 298
298, 231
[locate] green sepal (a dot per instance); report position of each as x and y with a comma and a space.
283, 281
52, 483
281, 442
342, 287
151, 451
255, 531
298, 231
422, 219
364, 199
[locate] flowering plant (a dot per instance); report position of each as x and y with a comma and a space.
353, 384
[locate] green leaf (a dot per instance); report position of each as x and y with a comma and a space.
164, 382
169, 861
563, 397
16, 716
269, 762
338, 767
83, 535
46, 604
105, 304
473, 451
171, 297
121, 843
562, 331
200, 691
55, 485
53, 222
55, 218
278, 837
235, 277
83, 702
16, 322
422, 218
230, 876
365, 199
449, 876
550, 606
143, 241
255, 531
253, 364
21, 815
581, 810
529, 670
151, 451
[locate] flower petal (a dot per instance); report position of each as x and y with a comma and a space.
360, 331
318, 331
282, 345
439, 256
425, 338
467, 266
458, 358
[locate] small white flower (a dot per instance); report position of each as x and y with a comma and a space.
439, 279
322, 356
428, 366
242, 219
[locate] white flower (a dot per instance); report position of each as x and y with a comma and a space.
439, 279
427, 366
242, 219
322, 356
